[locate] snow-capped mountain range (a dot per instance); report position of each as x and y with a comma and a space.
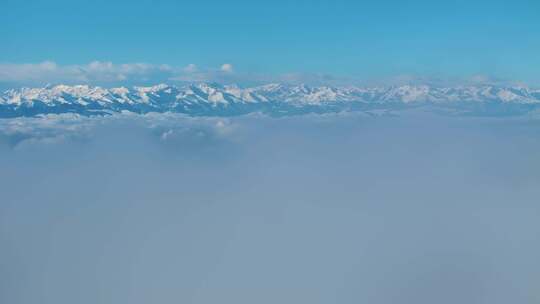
211, 99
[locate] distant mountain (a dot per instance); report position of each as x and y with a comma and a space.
211, 99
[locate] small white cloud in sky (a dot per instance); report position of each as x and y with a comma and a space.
227, 68
190, 68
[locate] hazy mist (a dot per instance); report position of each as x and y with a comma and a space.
338, 208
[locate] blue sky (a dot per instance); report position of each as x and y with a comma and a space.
367, 40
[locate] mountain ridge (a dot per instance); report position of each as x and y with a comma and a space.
214, 99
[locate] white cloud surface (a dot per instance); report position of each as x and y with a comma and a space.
415, 209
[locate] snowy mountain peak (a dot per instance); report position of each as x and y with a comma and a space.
217, 99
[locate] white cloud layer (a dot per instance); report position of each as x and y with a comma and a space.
418, 209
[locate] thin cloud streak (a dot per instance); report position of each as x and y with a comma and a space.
107, 73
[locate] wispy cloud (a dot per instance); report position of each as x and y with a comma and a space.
109, 73
227, 73
227, 68
95, 71
190, 68
193, 73
106, 72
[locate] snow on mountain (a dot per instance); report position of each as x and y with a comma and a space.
215, 99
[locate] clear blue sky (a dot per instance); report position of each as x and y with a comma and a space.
356, 38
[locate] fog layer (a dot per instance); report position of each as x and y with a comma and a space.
312, 209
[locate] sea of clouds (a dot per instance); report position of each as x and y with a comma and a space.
337, 208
